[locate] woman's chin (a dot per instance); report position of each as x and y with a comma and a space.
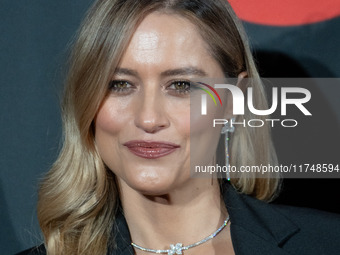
153, 185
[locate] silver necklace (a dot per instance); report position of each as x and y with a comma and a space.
178, 247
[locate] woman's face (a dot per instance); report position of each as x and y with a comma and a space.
143, 126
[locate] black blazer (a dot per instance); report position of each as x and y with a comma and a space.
259, 228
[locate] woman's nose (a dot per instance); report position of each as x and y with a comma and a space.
151, 114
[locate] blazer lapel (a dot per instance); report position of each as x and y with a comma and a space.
246, 242
256, 227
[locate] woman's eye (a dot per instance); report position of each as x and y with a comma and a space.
180, 87
120, 86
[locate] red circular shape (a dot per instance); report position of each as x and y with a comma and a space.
286, 12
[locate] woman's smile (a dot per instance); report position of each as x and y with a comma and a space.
151, 149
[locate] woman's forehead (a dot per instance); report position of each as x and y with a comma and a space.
165, 39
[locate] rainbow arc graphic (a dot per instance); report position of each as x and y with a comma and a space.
204, 100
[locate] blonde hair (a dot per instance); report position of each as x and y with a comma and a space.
78, 197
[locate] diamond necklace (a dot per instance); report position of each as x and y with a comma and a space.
178, 247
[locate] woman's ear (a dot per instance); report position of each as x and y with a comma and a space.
241, 81
242, 84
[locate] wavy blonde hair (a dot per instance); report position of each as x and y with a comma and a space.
78, 197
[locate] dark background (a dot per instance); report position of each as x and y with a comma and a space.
34, 42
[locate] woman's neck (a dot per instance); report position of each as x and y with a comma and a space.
186, 215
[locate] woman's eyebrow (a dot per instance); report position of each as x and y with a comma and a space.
125, 71
171, 72
184, 71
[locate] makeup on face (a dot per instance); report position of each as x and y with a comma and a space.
143, 128
151, 149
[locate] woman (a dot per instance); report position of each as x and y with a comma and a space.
122, 184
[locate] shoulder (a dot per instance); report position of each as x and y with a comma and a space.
311, 219
270, 226
318, 230
37, 250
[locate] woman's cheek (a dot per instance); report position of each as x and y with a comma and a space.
178, 112
112, 116
204, 136
200, 123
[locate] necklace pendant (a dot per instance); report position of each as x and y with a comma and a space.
178, 247
175, 249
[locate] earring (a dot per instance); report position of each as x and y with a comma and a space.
225, 130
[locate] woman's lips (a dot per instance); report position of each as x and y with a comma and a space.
151, 150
